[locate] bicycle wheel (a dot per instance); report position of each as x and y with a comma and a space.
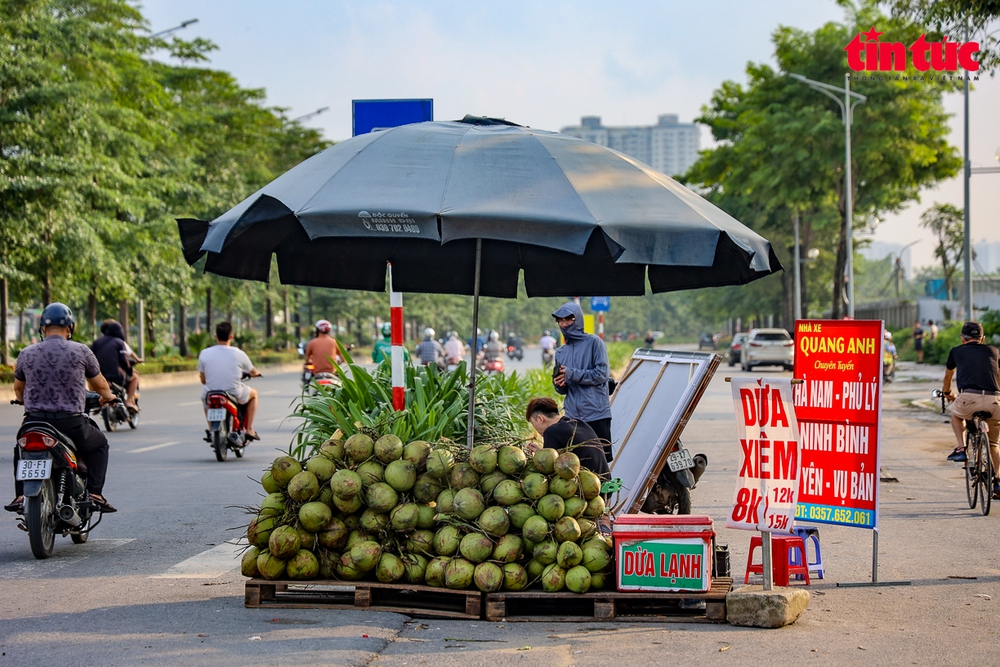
971, 471
985, 474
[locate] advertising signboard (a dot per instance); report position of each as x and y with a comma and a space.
768, 481
373, 115
839, 409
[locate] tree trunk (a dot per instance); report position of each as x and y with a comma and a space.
268, 317
20, 327
208, 309
309, 308
788, 296
182, 343
3, 323
151, 329
123, 316
287, 316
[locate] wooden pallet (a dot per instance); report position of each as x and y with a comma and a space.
610, 605
420, 601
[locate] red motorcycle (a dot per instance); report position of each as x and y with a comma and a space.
494, 365
226, 424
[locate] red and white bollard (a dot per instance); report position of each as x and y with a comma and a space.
600, 325
396, 338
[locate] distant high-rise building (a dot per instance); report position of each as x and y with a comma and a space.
987, 256
669, 146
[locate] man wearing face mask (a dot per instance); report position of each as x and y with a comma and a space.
581, 374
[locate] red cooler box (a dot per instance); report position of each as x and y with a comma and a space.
663, 552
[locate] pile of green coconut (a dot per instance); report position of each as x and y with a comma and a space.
419, 514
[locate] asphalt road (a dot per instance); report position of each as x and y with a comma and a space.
158, 583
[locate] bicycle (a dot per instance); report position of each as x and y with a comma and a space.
978, 465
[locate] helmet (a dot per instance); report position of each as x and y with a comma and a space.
479, 332
888, 335
494, 335
386, 329
59, 315
546, 333
973, 330
428, 333
324, 326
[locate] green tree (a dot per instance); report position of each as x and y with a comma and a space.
953, 18
947, 224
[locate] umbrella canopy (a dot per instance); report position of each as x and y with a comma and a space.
575, 217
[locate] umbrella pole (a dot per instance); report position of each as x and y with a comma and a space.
475, 341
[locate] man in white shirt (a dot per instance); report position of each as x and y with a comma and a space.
222, 367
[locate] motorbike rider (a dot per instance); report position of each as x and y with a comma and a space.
50, 379
322, 350
581, 374
116, 359
221, 368
430, 351
974, 367
561, 432
493, 349
454, 349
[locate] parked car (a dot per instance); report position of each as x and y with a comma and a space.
767, 347
739, 340
708, 340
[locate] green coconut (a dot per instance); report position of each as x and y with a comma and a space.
534, 569
508, 549
352, 521
333, 449
322, 467
314, 516
347, 571
420, 542
248, 564
567, 529
551, 507
469, 504
373, 522
590, 484
515, 577
381, 497
345, 484
426, 518
476, 547
326, 495
575, 506
445, 502
388, 448
520, 513
303, 565
403, 518
446, 540
414, 566
365, 555
569, 555
535, 485
439, 464
359, 447
435, 571
544, 460
459, 573
536, 528
284, 542
273, 505
370, 472
416, 453
401, 475
598, 580
508, 492
603, 541
328, 561
578, 579
595, 508
564, 488
588, 529
483, 458
595, 558
494, 521
307, 538
348, 506
488, 577
511, 460
357, 536
545, 552
259, 530
553, 578
270, 566
567, 465
426, 488
284, 469
390, 568
489, 481
334, 536
267, 481
462, 476
303, 487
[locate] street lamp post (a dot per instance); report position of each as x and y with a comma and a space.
851, 100
183, 25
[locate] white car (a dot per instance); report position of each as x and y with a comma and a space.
768, 347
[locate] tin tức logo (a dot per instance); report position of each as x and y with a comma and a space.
866, 53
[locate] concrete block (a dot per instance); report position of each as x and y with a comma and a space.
754, 607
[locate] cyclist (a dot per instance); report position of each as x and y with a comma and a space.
974, 366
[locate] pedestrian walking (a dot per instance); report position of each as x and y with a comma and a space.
918, 341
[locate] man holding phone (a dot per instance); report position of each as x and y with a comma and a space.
581, 374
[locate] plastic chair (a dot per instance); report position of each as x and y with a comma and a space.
809, 534
782, 547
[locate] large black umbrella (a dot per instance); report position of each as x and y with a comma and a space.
463, 207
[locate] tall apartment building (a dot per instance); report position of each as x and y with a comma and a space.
669, 146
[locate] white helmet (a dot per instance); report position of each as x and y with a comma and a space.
888, 335
494, 335
324, 326
428, 333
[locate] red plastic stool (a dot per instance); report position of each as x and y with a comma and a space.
782, 550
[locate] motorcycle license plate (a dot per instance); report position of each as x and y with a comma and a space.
680, 460
216, 414
28, 470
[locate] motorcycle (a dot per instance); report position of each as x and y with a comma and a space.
56, 501
116, 414
888, 367
494, 365
226, 424
671, 492
548, 356
515, 352
321, 379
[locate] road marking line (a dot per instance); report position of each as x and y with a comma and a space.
142, 450
209, 564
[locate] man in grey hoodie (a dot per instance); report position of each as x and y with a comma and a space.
581, 374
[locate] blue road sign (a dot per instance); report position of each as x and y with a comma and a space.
370, 115
600, 304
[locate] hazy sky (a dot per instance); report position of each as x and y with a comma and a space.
542, 64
